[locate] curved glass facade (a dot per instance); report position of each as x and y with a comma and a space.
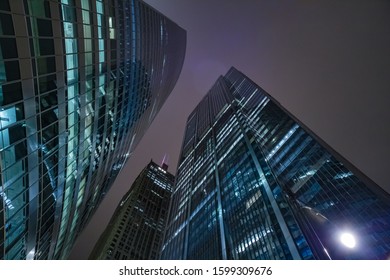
254, 183
80, 82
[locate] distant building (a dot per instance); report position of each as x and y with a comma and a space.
80, 83
135, 232
254, 183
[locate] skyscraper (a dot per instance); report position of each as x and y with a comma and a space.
80, 82
255, 183
136, 229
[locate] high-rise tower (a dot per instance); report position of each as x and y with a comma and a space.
136, 229
254, 183
80, 82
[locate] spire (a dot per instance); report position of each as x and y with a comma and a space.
164, 163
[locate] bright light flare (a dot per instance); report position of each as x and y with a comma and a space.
348, 240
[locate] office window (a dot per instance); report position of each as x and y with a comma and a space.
8, 48
12, 70
4, 5
46, 65
39, 8
10, 93
46, 46
44, 27
6, 25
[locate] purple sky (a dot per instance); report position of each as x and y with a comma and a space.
326, 61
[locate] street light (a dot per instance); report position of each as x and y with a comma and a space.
327, 239
348, 239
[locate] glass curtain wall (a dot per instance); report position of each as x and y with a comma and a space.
80, 82
255, 183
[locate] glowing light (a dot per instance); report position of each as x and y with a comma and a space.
348, 240
282, 141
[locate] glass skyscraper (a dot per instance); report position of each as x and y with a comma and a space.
255, 183
135, 232
80, 82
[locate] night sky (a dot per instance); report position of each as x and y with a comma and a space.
327, 62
